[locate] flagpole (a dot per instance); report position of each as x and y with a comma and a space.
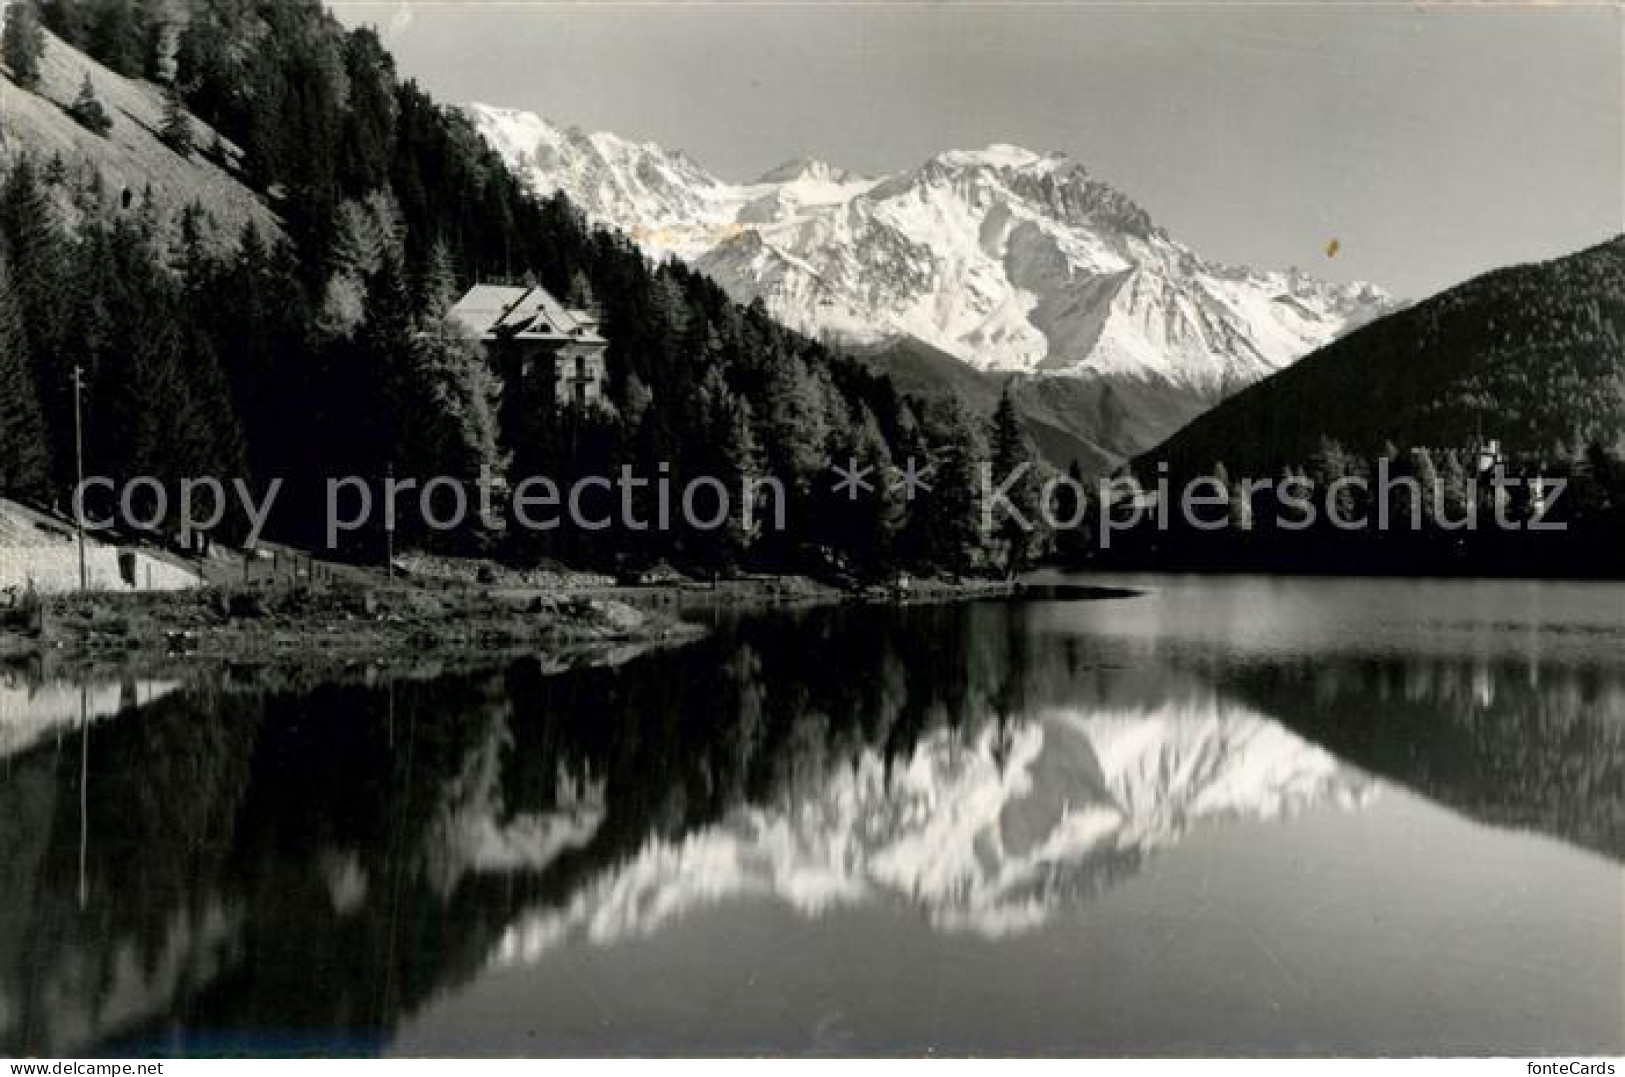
79, 468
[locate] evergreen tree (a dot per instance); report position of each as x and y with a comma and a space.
369, 115
461, 392
158, 399
383, 372
885, 514
176, 128
860, 524
118, 37
732, 455
22, 42
580, 295
24, 463
668, 311
88, 111
66, 18
1241, 507
48, 294
1400, 501
1011, 453
1426, 474
1456, 503
945, 517
1072, 503
1327, 466
437, 289
364, 233
797, 437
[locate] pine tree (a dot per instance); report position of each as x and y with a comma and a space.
25, 467
1327, 465
1456, 502
22, 42
87, 109
127, 427
580, 294
437, 282
870, 522
261, 325
1427, 476
730, 454
668, 309
1072, 503
363, 235
176, 128
117, 37
946, 516
369, 112
461, 390
66, 18
797, 427
208, 437
1013, 456
383, 384
136, 395
1241, 507
47, 292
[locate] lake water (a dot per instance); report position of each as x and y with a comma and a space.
1233, 815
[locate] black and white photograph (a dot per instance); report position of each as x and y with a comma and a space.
632, 531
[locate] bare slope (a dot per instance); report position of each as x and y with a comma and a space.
131, 157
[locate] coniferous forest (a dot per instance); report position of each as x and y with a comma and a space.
322, 348
1517, 375
319, 346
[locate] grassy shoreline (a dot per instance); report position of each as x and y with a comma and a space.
402, 625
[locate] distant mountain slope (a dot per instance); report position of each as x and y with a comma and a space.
1005, 259
1095, 422
131, 157
921, 370
1531, 355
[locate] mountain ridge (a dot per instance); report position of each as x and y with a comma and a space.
1009, 260
1528, 355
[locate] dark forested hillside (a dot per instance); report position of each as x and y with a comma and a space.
318, 345
1481, 431
1532, 356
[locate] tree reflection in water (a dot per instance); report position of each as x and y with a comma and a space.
274, 870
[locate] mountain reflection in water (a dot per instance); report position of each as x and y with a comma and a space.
264, 869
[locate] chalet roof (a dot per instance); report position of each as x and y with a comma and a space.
508, 312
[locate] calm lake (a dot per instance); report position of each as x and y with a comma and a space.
1236, 815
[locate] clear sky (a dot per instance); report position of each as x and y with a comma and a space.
1431, 142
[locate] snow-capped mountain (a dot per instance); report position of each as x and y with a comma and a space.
992, 836
1006, 259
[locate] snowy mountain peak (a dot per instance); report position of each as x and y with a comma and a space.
808, 169
1006, 258
1002, 157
